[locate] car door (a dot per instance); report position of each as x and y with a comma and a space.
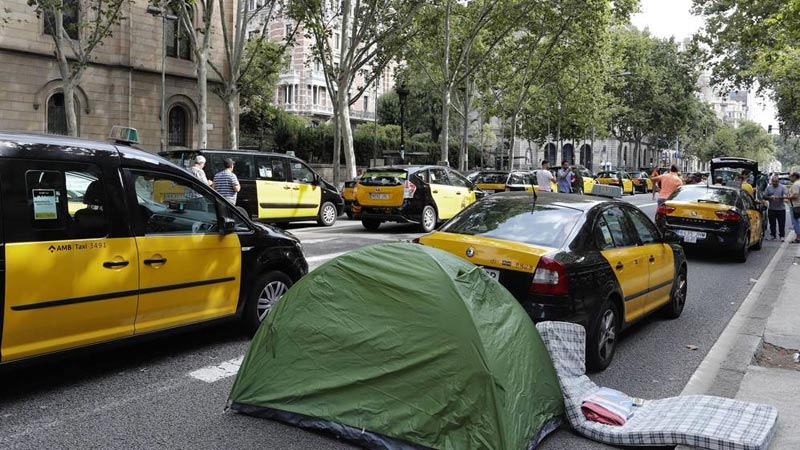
189, 271
619, 246
276, 198
308, 193
441, 192
71, 265
754, 215
461, 187
659, 256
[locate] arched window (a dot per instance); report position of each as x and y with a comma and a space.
178, 127
57, 114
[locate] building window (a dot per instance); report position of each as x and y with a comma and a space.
178, 44
251, 5
366, 103
287, 97
336, 41
289, 29
317, 65
178, 127
315, 93
252, 34
71, 12
57, 114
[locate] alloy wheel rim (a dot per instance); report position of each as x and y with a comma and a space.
269, 296
608, 334
427, 221
328, 214
680, 294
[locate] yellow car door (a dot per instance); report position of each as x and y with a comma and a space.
442, 193
628, 261
189, 271
755, 216
276, 198
71, 279
660, 260
308, 193
464, 194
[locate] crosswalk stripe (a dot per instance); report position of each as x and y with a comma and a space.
225, 369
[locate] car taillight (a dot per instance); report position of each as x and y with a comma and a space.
665, 209
731, 216
409, 189
415, 240
550, 277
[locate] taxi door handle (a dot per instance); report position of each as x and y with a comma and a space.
652, 259
458, 193
295, 189
286, 187
620, 266
150, 262
435, 192
115, 264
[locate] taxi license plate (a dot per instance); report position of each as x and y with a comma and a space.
376, 196
691, 237
495, 274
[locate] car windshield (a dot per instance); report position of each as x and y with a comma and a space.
492, 178
383, 178
705, 194
514, 219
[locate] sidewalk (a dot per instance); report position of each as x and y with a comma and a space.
753, 358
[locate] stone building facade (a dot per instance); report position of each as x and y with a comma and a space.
122, 85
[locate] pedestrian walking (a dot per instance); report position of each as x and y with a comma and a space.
544, 177
226, 182
197, 169
794, 200
565, 178
669, 182
776, 194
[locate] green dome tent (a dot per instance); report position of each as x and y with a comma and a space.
400, 346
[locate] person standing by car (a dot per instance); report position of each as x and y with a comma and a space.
544, 177
669, 182
565, 178
226, 182
197, 169
776, 194
577, 181
794, 200
656, 186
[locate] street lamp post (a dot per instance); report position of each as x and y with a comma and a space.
157, 11
402, 92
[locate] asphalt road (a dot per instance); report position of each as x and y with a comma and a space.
171, 392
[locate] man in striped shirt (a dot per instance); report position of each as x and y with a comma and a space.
226, 183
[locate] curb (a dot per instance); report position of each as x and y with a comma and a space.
706, 373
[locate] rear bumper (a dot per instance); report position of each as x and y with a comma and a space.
560, 309
728, 237
400, 214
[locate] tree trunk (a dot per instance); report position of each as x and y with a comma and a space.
448, 86
464, 163
202, 91
513, 141
230, 116
444, 136
68, 79
69, 108
337, 144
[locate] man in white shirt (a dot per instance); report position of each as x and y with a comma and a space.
794, 200
544, 177
197, 169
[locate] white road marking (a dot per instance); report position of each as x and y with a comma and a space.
211, 374
317, 241
325, 257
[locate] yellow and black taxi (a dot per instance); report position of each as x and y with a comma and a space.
521, 181
616, 178
642, 182
275, 187
122, 263
424, 195
588, 180
590, 260
716, 217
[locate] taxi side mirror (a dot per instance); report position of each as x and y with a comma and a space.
315, 181
228, 225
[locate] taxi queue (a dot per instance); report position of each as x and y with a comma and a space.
126, 238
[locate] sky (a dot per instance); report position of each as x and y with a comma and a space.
665, 18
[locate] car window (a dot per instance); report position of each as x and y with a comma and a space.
301, 173
457, 180
271, 168
242, 168
705, 194
383, 178
168, 205
644, 227
491, 178
514, 220
602, 234
617, 226
438, 176
517, 178
67, 204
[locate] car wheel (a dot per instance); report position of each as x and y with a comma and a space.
428, 220
602, 343
327, 214
677, 298
741, 254
371, 225
265, 294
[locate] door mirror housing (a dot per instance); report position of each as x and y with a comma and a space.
228, 226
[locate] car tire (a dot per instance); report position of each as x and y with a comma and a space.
677, 298
428, 219
370, 224
742, 253
602, 341
264, 294
327, 214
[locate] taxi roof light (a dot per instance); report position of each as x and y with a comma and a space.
550, 277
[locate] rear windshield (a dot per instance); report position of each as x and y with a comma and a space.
607, 175
723, 196
520, 178
383, 178
514, 219
492, 178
